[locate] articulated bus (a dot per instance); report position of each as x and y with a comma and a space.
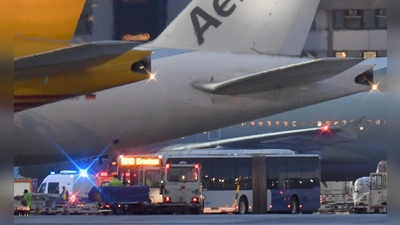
292, 181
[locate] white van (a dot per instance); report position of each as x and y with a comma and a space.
78, 185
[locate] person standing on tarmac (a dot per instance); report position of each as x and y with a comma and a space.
27, 200
115, 182
64, 194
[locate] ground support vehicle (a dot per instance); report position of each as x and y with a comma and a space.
178, 189
375, 199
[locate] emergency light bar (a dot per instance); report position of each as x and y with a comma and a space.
68, 172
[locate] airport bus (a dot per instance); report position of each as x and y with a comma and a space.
292, 181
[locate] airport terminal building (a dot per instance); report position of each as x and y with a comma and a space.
341, 28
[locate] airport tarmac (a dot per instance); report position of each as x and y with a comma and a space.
207, 219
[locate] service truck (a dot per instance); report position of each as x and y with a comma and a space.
374, 200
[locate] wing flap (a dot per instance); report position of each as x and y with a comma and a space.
292, 75
69, 59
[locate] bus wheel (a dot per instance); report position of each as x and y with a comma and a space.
243, 205
294, 205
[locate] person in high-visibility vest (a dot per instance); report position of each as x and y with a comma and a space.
115, 182
149, 182
27, 199
64, 194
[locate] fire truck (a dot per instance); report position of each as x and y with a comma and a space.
171, 188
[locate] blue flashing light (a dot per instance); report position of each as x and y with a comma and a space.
83, 173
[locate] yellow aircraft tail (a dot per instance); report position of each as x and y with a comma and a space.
49, 24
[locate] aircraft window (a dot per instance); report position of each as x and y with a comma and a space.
378, 121
294, 123
285, 123
384, 122
277, 123
260, 123
335, 122
310, 123
344, 122
252, 123
302, 123
319, 123
269, 123
328, 122
243, 124
369, 122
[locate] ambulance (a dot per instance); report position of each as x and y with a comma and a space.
77, 184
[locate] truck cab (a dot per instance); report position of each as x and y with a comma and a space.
378, 192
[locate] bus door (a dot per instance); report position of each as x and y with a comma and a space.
129, 176
151, 177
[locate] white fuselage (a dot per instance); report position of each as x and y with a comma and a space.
168, 107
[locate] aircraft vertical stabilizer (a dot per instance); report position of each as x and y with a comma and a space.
241, 26
42, 25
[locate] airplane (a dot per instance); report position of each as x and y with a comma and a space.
217, 64
49, 68
349, 133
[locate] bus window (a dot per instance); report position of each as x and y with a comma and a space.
281, 172
294, 173
272, 181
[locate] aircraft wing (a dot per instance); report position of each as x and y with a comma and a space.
69, 59
77, 70
301, 140
287, 76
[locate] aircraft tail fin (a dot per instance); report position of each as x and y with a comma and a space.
43, 20
248, 27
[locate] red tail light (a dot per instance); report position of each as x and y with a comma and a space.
167, 199
195, 199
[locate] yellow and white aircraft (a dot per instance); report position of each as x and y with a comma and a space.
48, 68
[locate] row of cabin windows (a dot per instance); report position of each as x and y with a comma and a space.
282, 173
309, 123
353, 19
